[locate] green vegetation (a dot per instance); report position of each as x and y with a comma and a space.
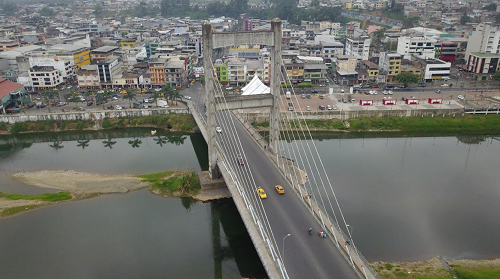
407, 78
4, 127
48, 197
175, 122
17, 209
76, 125
38, 126
477, 272
187, 183
468, 123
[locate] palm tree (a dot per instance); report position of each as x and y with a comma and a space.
83, 143
130, 96
135, 143
56, 145
155, 95
161, 141
168, 91
175, 96
177, 140
109, 143
47, 95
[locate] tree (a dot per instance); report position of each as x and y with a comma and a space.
130, 96
464, 19
490, 7
407, 78
168, 91
496, 76
47, 96
155, 95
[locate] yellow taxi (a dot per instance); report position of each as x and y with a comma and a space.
123, 92
262, 193
279, 189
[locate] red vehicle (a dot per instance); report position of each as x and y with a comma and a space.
89, 103
65, 110
240, 160
55, 104
375, 86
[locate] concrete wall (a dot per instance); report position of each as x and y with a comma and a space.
346, 115
90, 115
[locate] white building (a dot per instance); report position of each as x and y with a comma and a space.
484, 38
436, 69
419, 46
88, 77
44, 77
62, 65
359, 48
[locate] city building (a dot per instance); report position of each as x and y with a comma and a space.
44, 77
63, 66
9, 93
446, 51
483, 65
434, 69
390, 66
294, 69
102, 53
109, 69
77, 55
358, 47
8, 44
345, 69
420, 46
484, 38
88, 77
157, 71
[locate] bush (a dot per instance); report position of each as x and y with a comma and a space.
35, 126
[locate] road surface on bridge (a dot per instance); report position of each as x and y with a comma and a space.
306, 256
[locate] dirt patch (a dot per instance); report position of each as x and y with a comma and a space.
8, 203
80, 182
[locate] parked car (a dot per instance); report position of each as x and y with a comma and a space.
54, 104
321, 107
321, 96
308, 96
313, 91
187, 97
366, 86
118, 107
329, 107
375, 86
460, 97
89, 103
64, 110
308, 108
303, 96
445, 85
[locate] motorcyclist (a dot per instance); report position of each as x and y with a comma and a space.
310, 230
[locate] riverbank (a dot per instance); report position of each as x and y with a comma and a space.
172, 122
83, 185
466, 124
435, 269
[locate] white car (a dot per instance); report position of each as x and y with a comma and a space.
158, 89
115, 98
445, 85
187, 97
460, 97
118, 107
218, 129
329, 107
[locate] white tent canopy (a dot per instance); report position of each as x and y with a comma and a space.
254, 87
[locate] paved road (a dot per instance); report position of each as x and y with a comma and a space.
306, 256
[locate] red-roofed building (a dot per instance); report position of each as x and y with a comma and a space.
9, 93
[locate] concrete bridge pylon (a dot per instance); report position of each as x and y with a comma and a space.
213, 40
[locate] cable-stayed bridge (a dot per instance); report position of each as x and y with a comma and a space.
278, 225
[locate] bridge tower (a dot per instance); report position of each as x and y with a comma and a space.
213, 40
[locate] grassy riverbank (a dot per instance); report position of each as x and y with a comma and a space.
172, 122
48, 197
457, 125
173, 183
434, 269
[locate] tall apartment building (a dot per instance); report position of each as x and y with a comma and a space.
62, 65
108, 69
483, 65
420, 46
88, 77
358, 47
484, 38
157, 71
390, 65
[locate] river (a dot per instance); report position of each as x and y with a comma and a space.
407, 198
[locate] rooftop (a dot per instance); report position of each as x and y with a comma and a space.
105, 49
7, 86
485, 55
